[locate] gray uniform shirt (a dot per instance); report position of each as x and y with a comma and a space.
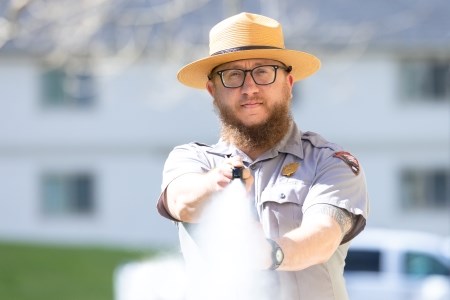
322, 177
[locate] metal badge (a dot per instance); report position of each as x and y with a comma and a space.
290, 169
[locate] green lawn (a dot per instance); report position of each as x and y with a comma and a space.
38, 272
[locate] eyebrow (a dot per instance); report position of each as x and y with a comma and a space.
235, 66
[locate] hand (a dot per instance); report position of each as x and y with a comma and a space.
222, 174
186, 195
248, 179
226, 170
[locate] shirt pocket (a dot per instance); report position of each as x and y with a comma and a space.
281, 206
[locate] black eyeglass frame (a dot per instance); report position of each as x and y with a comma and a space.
288, 69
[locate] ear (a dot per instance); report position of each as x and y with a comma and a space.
290, 79
210, 87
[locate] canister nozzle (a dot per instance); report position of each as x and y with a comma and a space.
237, 173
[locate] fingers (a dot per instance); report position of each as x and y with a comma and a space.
224, 173
247, 178
235, 161
229, 165
246, 174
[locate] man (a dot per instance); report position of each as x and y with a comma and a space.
309, 195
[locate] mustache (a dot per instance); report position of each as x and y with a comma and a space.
251, 99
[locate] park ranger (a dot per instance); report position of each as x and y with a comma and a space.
308, 195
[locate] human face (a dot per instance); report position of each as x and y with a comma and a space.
251, 104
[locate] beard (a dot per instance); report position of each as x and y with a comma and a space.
260, 136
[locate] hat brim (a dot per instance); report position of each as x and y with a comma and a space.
196, 73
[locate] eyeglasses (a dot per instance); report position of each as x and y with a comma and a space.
262, 75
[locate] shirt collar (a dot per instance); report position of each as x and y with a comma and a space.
291, 143
223, 148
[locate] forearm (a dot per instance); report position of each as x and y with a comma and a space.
312, 243
187, 194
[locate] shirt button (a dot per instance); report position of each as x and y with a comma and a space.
282, 196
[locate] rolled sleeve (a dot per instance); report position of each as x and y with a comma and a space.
336, 184
182, 160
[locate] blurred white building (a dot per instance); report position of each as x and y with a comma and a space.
82, 149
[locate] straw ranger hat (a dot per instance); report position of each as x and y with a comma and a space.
246, 36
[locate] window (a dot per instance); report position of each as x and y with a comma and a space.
67, 89
422, 264
67, 194
363, 260
426, 80
425, 188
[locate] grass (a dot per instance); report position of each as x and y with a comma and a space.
41, 272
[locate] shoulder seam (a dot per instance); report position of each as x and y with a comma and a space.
323, 142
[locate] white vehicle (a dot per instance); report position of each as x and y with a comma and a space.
398, 265
161, 278
380, 265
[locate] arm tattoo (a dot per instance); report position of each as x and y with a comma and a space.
341, 216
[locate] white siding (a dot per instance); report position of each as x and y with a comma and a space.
142, 112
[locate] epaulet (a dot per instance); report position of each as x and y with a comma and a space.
336, 151
318, 141
201, 144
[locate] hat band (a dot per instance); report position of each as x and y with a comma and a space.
243, 48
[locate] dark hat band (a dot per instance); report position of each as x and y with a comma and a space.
243, 48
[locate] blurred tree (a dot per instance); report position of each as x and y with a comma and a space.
59, 30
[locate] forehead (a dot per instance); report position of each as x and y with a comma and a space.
247, 63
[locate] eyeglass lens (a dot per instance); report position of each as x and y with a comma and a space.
262, 75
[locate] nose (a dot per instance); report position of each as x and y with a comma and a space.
249, 86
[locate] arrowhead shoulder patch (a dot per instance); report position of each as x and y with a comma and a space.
350, 160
